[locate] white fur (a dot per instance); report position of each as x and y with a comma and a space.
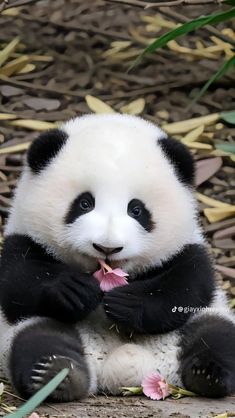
117, 159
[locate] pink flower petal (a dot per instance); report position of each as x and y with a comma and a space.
107, 284
110, 278
99, 275
34, 415
120, 273
111, 281
155, 387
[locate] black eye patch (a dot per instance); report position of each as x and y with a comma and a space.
83, 204
138, 211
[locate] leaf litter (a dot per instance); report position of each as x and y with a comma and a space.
72, 58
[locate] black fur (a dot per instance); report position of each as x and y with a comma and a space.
76, 209
45, 148
208, 356
147, 305
180, 157
143, 217
33, 283
40, 351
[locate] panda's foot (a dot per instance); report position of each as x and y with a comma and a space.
208, 357
205, 378
74, 386
39, 352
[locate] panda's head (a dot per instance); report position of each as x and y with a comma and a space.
107, 186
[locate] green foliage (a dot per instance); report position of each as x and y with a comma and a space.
221, 71
225, 146
188, 27
39, 397
228, 116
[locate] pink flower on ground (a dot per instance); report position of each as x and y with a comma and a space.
155, 387
34, 415
110, 278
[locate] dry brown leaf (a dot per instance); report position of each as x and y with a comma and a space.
221, 153
14, 66
120, 44
199, 145
13, 11
38, 103
189, 124
163, 114
209, 52
134, 108
158, 21
207, 168
37, 125
220, 225
9, 91
15, 148
211, 202
7, 116
225, 233
7, 51
41, 58
227, 271
193, 135
97, 106
217, 214
27, 69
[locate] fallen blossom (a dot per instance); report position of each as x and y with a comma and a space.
155, 386
34, 415
110, 278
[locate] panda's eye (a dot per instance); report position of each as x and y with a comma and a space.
136, 211
82, 205
135, 208
85, 204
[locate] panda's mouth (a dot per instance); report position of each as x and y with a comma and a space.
115, 263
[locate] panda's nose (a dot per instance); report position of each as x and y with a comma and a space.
107, 250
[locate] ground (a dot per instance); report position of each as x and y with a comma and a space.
69, 50
101, 407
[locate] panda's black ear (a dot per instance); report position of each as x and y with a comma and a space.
45, 148
180, 157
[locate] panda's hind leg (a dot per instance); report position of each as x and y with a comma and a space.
39, 352
207, 360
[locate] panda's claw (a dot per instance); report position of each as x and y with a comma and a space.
37, 378
74, 386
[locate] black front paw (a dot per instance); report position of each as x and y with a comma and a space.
124, 308
71, 296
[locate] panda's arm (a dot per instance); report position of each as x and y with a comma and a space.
33, 283
152, 303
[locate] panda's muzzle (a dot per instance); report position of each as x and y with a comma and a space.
107, 250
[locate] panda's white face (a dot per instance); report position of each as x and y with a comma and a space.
109, 193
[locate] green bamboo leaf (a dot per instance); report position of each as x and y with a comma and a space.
212, 19
231, 2
221, 71
39, 397
228, 116
226, 146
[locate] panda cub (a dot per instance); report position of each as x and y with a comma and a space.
116, 188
